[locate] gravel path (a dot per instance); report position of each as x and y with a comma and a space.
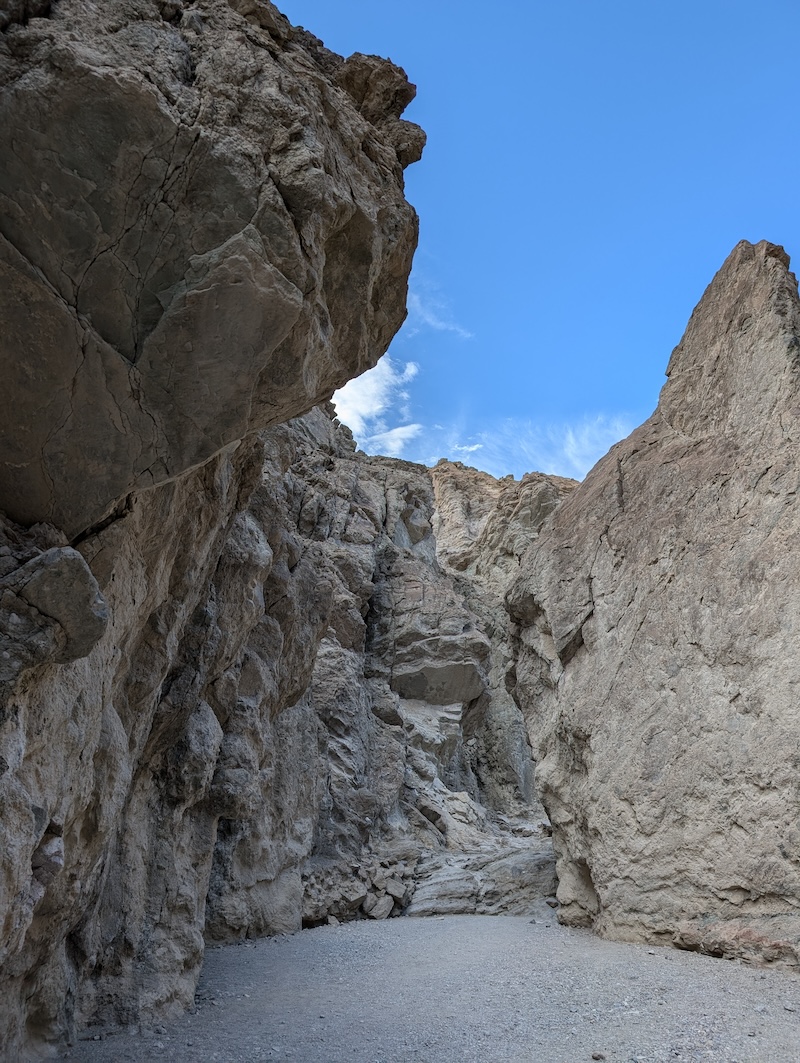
469, 989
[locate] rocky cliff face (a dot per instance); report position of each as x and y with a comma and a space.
202, 220
203, 233
250, 679
656, 618
368, 794
288, 718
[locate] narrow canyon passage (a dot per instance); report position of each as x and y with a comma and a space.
255, 679
467, 989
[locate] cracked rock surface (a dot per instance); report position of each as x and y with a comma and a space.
236, 754
202, 233
657, 616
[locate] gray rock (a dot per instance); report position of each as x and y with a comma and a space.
252, 692
201, 234
60, 585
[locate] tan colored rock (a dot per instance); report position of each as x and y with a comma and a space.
394, 773
250, 694
657, 668
511, 879
483, 527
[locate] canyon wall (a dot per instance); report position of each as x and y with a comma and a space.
656, 618
290, 717
202, 215
251, 680
203, 233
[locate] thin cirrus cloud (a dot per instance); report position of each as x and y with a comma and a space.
376, 407
515, 447
426, 308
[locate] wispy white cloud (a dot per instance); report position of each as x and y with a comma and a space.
369, 403
377, 407
427, 308
514, 446
393, 441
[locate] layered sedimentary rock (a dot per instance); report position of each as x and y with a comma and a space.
657, 618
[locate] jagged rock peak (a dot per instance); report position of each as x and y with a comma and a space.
739, 358
202, 233
656, 656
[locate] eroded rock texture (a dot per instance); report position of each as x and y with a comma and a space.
370, 790
202, 233
288, 718
251, 680
658, 615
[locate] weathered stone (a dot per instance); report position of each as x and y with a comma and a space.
51, 608
60, 585
200, 235
483, 527
382, 908
394, 775
252, 693
656, 667
511, 879
241, 770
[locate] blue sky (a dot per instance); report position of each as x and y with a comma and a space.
589, 166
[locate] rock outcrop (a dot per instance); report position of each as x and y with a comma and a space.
287, 720
656, 619
251, 680
202, 233
371, 788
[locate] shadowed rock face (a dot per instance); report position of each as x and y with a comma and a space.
368, 794
243, 689
246, 748
658, 614
202, 233
251, 678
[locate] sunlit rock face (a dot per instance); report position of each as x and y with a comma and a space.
657, 625
202, 233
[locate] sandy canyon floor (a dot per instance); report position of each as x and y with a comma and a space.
468, 989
